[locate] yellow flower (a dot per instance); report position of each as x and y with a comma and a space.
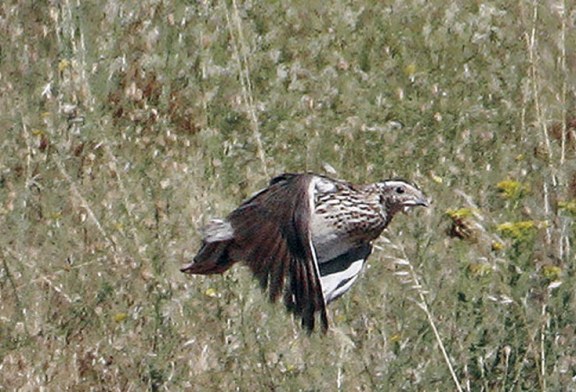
569, 206
551, 272
519, 231
460, 213
479, 270
511, 189
436, 179
120, 317
410, 70
63, 64
396, 337
211, 292
496, 246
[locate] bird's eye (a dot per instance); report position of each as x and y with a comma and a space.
400, 190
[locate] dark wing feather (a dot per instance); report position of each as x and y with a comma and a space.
272, 235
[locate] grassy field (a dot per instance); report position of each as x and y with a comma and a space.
126, 125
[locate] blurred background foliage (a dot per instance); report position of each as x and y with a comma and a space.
125, 125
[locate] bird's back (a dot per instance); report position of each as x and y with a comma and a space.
344, 217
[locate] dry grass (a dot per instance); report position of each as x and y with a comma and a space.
126, 125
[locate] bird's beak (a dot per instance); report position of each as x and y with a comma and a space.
422, 201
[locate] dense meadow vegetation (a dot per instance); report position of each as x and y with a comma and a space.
126, 125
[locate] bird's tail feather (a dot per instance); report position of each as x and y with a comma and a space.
213, 258
214, 255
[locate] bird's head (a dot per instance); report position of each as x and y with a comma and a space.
397, 195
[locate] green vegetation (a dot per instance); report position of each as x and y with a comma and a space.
124, 126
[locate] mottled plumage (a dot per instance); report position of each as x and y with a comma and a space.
306, 236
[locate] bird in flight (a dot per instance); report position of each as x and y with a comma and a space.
305, 237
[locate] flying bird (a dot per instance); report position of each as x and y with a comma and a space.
305, 237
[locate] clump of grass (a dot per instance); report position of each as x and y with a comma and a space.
126, 126
409, 276
462, 223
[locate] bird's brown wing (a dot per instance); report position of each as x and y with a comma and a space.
272, 235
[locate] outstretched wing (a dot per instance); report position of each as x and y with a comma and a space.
272, 235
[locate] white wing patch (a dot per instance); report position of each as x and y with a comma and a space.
334, 285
